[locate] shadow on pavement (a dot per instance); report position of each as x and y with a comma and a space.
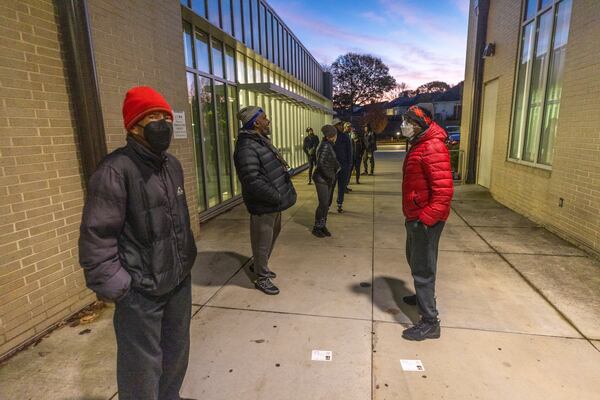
216, 268
398, 289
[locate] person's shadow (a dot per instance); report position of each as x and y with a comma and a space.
387, 296
218, 268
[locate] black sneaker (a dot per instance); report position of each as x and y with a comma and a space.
423, 330
410, 300
325, 231
309, 182
348, 190
318, 232
270, 274
340, 209
266, 286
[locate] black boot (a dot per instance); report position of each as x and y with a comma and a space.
410, 300
423, 330
266, 286
340, 209
318, 232
325, 231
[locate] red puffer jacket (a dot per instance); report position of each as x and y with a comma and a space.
427, 187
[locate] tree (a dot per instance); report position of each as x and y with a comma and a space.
359, 79
376, 117
433, 87
398, 91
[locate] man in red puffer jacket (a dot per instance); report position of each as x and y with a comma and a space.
427, 190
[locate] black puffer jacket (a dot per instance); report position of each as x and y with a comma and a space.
135, 230
266, 183
311, 142
327, 164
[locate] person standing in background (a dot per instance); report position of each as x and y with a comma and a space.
343, 151
325, 176
311, 142
370, 149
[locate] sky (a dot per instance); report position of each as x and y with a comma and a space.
419, 40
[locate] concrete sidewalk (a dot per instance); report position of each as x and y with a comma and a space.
520, 311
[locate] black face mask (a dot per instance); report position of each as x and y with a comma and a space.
158, 134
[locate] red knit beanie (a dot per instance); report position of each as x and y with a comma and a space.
141, 101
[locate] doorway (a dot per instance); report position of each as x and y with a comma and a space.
487, 132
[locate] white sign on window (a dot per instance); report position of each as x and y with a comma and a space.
179, 129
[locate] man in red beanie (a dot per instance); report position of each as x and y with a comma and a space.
427, 190
137, 249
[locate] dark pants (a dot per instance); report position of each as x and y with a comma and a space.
369, 157
422, 253
325, 195
312, 160
342, 183
153, 343
264, 230
357, 169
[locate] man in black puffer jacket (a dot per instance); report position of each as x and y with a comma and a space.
267, 189
325, 176
137, 249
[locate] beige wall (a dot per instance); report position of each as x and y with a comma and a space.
575, 174
41, 194
41, 190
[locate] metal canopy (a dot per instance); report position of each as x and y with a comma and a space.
272, 90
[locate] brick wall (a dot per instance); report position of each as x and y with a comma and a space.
575, 173
139, 42
40, 177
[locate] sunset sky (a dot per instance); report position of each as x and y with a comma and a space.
420, 40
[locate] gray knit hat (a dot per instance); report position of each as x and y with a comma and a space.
329, 131
248, 115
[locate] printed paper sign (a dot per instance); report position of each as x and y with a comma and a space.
179, 129
322, 355
412, 365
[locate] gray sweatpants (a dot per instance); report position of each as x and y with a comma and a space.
422, 253
153, 342
264, 230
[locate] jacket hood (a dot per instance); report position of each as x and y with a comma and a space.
433, 132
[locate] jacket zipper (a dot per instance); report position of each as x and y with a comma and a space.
164, 182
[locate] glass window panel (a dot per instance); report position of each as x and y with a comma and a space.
230, 63
257, 72
184, 3
188, 45
250, 70
223, 137
232, 110
255, 26
237, 20
207, 122
544, 3
536, 92
226, 15
241, 68
555, 83
199, 7
213, 12
195, 118
217, 58
263, 30
270, 36
202, 56
531, 8
247, 23
279, 52
523, 79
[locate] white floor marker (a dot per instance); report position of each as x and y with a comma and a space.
322, 355
412, 365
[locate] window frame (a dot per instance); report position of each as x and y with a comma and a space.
535, 19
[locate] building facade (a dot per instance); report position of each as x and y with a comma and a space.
530, 126
208, 58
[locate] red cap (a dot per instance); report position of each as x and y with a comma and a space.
139, 102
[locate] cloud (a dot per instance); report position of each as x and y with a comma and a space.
417, 49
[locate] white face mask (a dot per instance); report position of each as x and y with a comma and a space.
408, 131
